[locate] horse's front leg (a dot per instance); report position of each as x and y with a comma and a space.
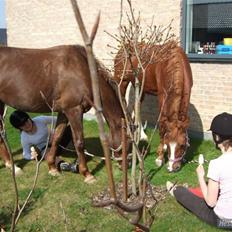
162, 146
75, 117
160, 155
6, 157
4, 153
56, 137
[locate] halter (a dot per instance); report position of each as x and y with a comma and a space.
184, 153
113, 157
179, 158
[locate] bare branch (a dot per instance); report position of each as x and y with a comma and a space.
96, 95
38, 163
95, 27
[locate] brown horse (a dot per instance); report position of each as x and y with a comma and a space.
168, 75
36, 80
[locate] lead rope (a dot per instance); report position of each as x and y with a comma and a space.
194, 161
201, 160
113, 157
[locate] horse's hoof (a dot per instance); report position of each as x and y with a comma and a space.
159, 162
144, 137
54, 172
8, 165
90, 179
18, 171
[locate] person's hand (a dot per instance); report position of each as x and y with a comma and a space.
200, 171
34, 154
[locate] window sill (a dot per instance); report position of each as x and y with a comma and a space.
213, 58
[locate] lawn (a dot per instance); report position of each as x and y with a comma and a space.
63, 203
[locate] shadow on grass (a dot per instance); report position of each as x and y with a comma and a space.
19, 161
153, 172
191, 152
92, 145
5, 218
38, 193
6, 212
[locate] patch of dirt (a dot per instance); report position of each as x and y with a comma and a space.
153, 195
136, 208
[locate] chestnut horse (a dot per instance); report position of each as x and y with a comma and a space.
168, 75
36, 80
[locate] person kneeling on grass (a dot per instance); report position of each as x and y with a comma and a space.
215, 205
34, 134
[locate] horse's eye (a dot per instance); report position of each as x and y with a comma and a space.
183, 146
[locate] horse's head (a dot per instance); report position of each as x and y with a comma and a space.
176, 142
118, 141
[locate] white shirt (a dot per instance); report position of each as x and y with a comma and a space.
39, 138
220, 170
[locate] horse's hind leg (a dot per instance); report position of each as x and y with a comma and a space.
75, 117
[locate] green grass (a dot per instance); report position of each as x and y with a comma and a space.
67, 196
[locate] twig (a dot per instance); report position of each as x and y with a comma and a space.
38, 163
16, 207
124, 161
64, 215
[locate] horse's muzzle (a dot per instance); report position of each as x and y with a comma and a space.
176, 166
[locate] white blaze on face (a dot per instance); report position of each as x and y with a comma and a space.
172, 156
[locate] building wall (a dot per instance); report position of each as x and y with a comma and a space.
44, 23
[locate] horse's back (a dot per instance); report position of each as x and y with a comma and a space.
157, 70
26, 74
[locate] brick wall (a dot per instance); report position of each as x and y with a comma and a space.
44, 23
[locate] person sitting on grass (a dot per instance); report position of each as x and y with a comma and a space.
215, 205
34, 135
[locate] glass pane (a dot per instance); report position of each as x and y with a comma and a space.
209, 27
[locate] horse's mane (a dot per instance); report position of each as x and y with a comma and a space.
101, 69
106, 74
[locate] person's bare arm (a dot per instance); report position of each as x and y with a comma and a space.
210, 191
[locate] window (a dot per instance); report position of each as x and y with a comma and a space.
3, 39
3, 35
207, 30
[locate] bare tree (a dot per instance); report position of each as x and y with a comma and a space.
122, 208
134, 43
147, 47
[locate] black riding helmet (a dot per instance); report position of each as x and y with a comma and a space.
18, 118
221, 127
